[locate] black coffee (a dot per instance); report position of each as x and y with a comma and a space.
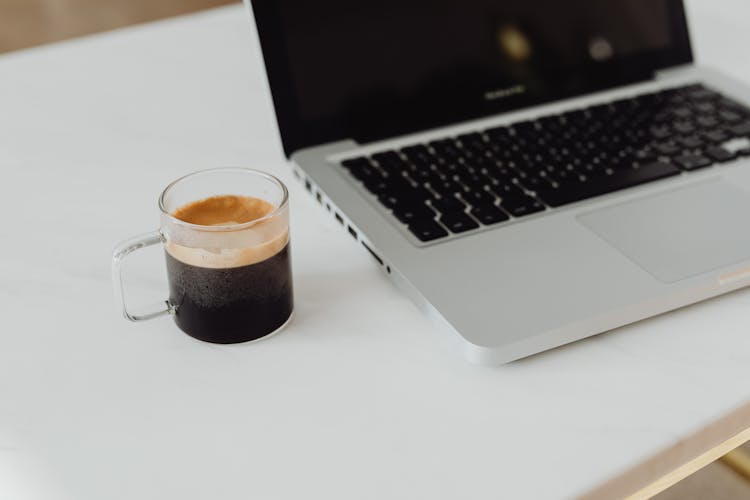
235, 304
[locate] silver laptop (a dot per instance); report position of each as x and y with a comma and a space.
529, 172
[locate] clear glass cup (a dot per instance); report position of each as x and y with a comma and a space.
228, 282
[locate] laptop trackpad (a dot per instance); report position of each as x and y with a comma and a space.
681, 233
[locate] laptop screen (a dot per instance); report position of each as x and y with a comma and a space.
369, 70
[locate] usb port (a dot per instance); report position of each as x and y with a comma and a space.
308, 185
352, 231
318, 197
340, 219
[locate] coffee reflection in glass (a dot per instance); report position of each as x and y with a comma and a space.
226, 239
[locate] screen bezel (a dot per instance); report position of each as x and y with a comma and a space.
297, 132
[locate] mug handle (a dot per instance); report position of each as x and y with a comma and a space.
118, 256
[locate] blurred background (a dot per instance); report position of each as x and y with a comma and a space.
28, 23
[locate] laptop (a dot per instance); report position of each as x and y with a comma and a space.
529, 172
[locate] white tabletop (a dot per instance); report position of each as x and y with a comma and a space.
361, 397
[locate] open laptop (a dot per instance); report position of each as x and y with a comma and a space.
529, 172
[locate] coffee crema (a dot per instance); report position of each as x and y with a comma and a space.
223, 210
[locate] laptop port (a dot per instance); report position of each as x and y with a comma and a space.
376, 256
308, 185
340, 219
352, 231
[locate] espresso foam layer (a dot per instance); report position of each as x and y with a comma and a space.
223, 210
222, 258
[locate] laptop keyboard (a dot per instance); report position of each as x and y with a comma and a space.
491, 176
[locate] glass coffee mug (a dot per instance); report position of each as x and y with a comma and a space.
225, 233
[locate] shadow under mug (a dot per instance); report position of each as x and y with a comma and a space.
227, 283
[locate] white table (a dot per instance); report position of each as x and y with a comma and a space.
361, 397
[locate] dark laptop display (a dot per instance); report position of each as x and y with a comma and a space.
369, 70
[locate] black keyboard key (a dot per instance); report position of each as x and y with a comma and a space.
509, 190
362, 169
448, 204
393, 200
477, 197
377, 185
740, 130
519, 207
550, 123
390, 161
682, 112
446, 188
621, 179
414, 151
355, 162
640, 157
428, 230
525, 128
707, 122
502, 174
475, 181
489, 215
432, 175
684, 127
394, 184
690, 142
533, 181
667, 148
458, 222
716, 136
474, 143
516, 202
658, 118
705, 107
693, 162
576, 116
719, 154
403, 199
413, 214
729, 116
450, 167
499, 135
447, 149
366, 173
661, 132
419, 156
421, 175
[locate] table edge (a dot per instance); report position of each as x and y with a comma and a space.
678, 461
